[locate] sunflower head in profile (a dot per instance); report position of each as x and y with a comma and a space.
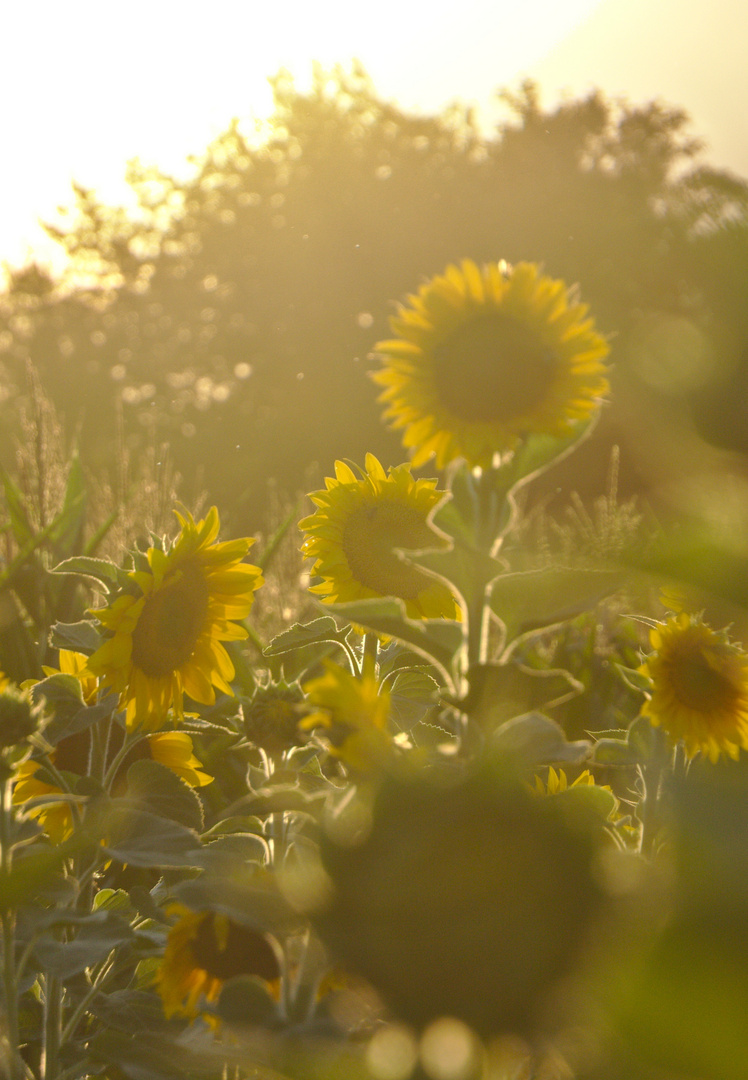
167, 633
352, 711
485, 356
203, 950
359, 524
699, 687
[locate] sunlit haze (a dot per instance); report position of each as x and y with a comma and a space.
87, 85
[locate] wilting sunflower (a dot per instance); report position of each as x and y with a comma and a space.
167, 633
203, 950
699, 687
487, 355
353, 712
359, 523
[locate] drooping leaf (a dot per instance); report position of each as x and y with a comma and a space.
535, 739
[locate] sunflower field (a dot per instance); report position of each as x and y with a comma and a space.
472, 805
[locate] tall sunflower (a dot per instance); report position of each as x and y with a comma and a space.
699, 687
359, 523
353, 712
487, 355
167, 633
203, 950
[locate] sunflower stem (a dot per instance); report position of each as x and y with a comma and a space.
52, 1027
651, 776
9, 1056
371, 648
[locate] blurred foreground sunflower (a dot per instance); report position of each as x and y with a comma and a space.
699, 687
205, 949
359, 524
353, 712
486, 355
167, 634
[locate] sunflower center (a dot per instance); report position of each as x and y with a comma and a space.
370, 535
699, 685
244, 952
492, 369
170, 624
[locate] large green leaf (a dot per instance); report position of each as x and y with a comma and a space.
533, 599
139, 838
94, 939
535, 739
159, 791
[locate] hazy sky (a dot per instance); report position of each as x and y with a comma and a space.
88, 84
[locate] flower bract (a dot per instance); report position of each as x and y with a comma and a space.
203, 950
167, 633
486, 355
699, 687
360, 523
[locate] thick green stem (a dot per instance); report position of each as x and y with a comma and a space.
371, 647
52, 1028
651, 776
13, 1063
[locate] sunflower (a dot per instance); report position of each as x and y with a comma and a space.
174, 750
485, 356
203, 950
55, 818
699, 687
360, 522
167, 633
558, 782
353, 711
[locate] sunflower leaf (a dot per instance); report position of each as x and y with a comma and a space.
100, 570
141, 838
531, 599
82, 637
69, 722
438, 640
538, 740
412, 696
613, 752
465, 570
157, 789
536, 453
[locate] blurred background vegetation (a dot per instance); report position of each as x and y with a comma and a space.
233, 316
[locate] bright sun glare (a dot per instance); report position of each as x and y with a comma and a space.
91, 86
